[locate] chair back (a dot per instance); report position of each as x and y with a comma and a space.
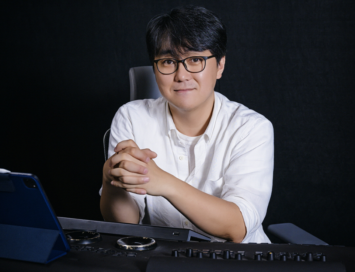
142, 83
142, 86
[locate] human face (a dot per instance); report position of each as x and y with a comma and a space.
187, 91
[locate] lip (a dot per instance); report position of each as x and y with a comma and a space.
183, 90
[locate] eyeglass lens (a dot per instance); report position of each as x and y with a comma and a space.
192, 64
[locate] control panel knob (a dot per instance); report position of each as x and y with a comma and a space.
175, 253
189, 252
213, 255
226, 254
324, 258
309, 257
283, 257
270, 256
238, 257
257, 257
199, 255
297, 258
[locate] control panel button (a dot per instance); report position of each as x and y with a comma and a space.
309, 257
270, 256
226, 254
189, 252
297, 258
283, 257
213, 255
199, 255
175, 253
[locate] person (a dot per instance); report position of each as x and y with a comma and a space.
192, 158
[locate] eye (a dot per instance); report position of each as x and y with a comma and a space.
168, 62
195, 60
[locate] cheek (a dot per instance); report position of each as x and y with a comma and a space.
164, 82
202, 77
206, 80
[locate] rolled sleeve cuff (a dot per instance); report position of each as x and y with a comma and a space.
250, 216
140, 200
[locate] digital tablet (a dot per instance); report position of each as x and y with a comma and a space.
29, 229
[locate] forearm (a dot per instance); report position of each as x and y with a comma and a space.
117, 205
211, 214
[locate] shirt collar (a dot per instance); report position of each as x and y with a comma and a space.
169, 119
216, 108
209, 130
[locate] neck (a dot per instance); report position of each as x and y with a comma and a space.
193, 122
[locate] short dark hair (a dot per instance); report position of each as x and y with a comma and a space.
187, 28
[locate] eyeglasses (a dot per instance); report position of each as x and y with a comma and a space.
193, 64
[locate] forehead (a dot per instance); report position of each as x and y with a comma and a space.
170, 49
168, 53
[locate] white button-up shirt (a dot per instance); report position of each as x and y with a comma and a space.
232, 160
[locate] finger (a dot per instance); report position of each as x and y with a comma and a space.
142, 155
125, 186
122, 185
133, 167
117, 158
133, 180
124, 179
137, 191
124, 144
151, 154
118, 173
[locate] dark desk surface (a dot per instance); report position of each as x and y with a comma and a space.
105, 256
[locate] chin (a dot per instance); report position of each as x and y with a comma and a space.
184, 107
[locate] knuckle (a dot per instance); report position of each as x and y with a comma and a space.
122, 185
117, 184
118, 173
124, 179
123, 164
136, 151
132, 143
109, 161
114, 161
122, 156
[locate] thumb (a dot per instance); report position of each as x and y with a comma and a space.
151, 154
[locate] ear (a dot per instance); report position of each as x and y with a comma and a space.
220, 67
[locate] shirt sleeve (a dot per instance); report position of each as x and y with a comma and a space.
121, 130
248, 178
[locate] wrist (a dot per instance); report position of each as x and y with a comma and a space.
171, 185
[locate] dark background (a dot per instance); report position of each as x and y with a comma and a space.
64, 73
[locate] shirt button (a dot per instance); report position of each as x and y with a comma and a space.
186, 223
181, 158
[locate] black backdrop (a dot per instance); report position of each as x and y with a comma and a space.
65, 73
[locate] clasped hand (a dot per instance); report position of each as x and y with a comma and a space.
134, 170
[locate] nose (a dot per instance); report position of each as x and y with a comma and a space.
182, 74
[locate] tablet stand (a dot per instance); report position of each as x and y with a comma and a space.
30, 244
